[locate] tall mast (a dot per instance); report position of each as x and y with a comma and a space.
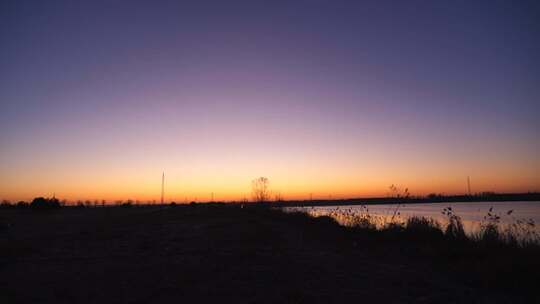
469, 185
162, 187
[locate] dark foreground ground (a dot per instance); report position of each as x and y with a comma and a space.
224, 254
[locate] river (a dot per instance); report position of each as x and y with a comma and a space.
473, 214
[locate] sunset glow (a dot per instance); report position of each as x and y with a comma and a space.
217, 97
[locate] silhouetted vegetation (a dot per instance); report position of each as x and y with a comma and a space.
23, 204
45, 203
127, 204
423, 227
260, 190
454, 228
402, 197
521, 233
5, 204
238, 251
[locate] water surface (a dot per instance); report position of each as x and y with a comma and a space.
473, 214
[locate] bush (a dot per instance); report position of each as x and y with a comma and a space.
5, 204
422, 226
489, 233
365, 223
454, 229
45, 203
22, 204
489, 229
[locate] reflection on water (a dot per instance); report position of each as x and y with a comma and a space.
472, 214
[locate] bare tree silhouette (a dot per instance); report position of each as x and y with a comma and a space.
397, 192
260, 189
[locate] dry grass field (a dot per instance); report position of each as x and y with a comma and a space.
222, 253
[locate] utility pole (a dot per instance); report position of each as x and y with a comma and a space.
469, 185
162, 187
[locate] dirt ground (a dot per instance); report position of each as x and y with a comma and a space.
199, 254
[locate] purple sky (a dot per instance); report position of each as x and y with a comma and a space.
332, 97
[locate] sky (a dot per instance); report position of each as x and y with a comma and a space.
324, 98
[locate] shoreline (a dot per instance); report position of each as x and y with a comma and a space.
503, 197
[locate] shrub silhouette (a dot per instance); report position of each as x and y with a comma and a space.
454, 229
45, 203
22, 204
489, 228
423, 227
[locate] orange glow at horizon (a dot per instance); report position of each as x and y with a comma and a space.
231, 181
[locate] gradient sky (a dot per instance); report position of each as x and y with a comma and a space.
338, 98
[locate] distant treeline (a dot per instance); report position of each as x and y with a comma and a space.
37, 203
431, 198
52, 203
